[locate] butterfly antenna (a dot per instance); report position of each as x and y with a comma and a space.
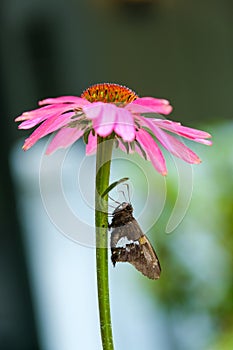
113, 200
123, 193
127, 186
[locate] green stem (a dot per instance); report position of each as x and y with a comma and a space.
103, 163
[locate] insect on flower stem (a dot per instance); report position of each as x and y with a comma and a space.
138, 251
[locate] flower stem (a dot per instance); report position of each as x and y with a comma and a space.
103, 163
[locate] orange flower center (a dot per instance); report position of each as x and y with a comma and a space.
109, 93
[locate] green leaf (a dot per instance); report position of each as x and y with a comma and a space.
114, 184
126, 145
116, 143
153, 115
74, 124
132, 146
77, 115
142, 150
86, 135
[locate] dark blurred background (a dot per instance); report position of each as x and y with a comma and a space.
176, 49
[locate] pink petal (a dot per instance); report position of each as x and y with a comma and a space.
149, 105
60, 121
64, 138
173, 145
184, 131
35, 113
107, 117
91, 145
153, 151
94, 110
38, 115
204, 142
124, 126
30, 123
48, 126
59, 118
103, 117
64, 99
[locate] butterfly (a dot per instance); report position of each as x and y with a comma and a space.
139, 251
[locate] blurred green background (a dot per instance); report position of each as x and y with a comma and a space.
179, 50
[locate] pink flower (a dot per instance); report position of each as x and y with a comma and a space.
112, 109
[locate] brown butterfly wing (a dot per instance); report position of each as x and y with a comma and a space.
140, 252
147, 262
141, 255
131, 230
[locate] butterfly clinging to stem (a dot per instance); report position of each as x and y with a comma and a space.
138, 250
